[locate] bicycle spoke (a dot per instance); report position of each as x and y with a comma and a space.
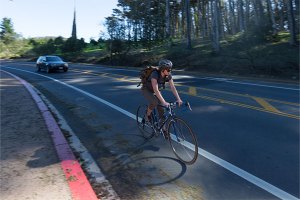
183, 141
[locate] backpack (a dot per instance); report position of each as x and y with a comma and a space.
145, 74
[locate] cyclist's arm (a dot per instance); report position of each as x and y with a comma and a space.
157, 92
174, 91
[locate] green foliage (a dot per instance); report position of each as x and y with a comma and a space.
59, 46
115, 27
43, 46
11, 46
116, 46
15, 49
72, 45
138, 21
95, 45
242, 54
7, 34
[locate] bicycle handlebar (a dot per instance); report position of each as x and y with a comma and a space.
174, 105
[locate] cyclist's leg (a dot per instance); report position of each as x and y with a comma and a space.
152, 100
160, 111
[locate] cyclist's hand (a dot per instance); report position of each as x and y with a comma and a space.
179, 102
166, 104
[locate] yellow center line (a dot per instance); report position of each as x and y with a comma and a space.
124, 78
244, 105
242, 95
265, 104
193, 91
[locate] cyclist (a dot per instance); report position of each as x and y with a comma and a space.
156, 82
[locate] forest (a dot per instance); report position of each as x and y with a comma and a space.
237, 37
155, 20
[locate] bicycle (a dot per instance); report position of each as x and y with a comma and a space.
179, 134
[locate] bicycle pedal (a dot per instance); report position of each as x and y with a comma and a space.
156, 134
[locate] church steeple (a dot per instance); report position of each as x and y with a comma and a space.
74, 35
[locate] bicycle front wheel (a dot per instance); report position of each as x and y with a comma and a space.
144, 126
183, 141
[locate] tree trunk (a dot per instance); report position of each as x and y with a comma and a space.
232, 16
193, 22
258, 12
176, 28
183, 17
197, 13
291, 20
147, 22
247, 14
204, 19
226, 18
241, 15
281, 14
215, 26
221, 19
167, 14
207, 22
188, 23
297, 18
272, 18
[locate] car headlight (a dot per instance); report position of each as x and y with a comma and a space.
66, 65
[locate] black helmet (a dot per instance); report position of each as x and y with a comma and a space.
164, 63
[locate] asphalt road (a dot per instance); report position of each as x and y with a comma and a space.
248, 132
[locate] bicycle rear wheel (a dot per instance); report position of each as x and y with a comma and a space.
144, 126
183, 141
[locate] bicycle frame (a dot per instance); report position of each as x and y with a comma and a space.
170, 115
179, 134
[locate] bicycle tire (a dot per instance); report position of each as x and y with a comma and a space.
183, 141
144, 127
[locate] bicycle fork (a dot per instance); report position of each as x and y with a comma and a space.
157, 124
175, 130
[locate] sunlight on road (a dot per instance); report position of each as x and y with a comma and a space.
209, 109
130, 87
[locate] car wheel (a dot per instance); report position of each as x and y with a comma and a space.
65, 69
38, 69
48, 70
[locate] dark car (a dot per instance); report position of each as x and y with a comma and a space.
51, 63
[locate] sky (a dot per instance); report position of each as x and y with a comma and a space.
40, 18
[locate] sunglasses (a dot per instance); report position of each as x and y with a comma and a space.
168, 69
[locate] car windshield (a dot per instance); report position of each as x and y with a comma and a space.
53, 58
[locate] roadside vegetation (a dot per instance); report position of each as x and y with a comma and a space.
233, 37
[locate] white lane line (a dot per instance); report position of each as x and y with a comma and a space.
245, 175
89, 162
246, 83
262, 85
249, 177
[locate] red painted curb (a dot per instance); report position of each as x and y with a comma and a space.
79, 186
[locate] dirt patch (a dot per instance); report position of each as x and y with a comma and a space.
30, 168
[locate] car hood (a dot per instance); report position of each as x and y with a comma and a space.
56, 62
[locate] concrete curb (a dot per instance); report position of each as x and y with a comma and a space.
78, 183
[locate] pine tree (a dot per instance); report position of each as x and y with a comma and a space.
7, 34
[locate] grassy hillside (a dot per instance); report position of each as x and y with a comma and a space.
245, 55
